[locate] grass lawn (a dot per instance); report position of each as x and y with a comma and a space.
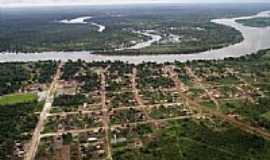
17, 98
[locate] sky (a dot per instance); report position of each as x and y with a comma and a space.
4, 3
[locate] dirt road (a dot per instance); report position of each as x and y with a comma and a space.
198, 81
139, 99
196, 106
30, 154
105, 118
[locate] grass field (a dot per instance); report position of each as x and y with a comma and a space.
17, 98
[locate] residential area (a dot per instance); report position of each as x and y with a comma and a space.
115, 110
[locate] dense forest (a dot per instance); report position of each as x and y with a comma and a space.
255, 22
37, 30
17, 121
15, 76
70, 100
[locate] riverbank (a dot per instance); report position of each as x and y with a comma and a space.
254, 39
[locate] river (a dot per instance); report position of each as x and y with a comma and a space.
149, 33
254, 39
82, 20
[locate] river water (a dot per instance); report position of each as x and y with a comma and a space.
149, 33
82, 20
254, 39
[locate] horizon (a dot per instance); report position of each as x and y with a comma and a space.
32, 3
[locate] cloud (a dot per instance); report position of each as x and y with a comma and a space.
71, 2
94, 2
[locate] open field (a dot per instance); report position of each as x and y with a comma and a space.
17, 98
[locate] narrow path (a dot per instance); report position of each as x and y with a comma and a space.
117, 126
63, 114
105, 118
70, 131
155, 120
181, 88
196, 106
148, 106
230, 70
199, 81
138, 98
30, 155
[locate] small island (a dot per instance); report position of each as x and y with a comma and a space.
255, 22
178, 30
